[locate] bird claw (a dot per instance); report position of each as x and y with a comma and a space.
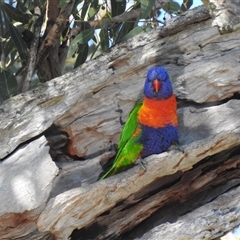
142, 163
176, 147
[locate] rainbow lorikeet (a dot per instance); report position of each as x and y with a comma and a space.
151, 127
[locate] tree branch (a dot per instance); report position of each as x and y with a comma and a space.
125, 16
54, 34
28, 71
226, 14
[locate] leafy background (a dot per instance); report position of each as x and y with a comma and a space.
92, 27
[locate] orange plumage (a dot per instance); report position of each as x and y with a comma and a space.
158, 113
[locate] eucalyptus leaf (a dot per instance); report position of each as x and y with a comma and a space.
81, 38
12, 60
91, 13
82, 54
146, 7
19, 43
186, 5
104, 39
23, 6
16, 14
9, 46
171, 6
95, 4
118, 7
132, 33
125, 28
4, 22
63, 3
8, 85
85, 9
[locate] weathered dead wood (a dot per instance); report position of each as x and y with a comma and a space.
189, 63
81, 206
199, 72
172, 190
78, 173
225, 13
207, 222
85, 103
25, 186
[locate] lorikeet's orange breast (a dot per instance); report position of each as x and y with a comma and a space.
158, 113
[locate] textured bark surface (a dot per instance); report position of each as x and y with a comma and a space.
225, 13
119, 203
25, 186
123, 68
206, 222
81, 115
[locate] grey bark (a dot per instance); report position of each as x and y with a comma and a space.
88, 106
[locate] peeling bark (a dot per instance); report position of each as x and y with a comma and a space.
83, 113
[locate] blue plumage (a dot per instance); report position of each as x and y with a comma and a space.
165, 91
164, 141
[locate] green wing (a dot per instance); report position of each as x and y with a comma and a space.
129, 127
128, 147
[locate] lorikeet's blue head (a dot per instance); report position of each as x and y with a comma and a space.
158, 84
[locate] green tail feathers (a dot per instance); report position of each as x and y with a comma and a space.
128, 147
126, 157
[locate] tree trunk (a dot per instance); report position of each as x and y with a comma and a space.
186, 193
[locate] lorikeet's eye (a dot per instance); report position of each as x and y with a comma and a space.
163, 79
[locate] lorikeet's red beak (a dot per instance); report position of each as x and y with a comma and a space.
156, 85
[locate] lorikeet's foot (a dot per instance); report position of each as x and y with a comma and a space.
176, 147
142, 163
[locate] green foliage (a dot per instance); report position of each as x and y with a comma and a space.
82, 54
16, 14
97, 26
13, 49
186, 5
118, 7
123, 30
8, 85
18, 42
81, 38
104, 39
146, 7
172, 7
63, 3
